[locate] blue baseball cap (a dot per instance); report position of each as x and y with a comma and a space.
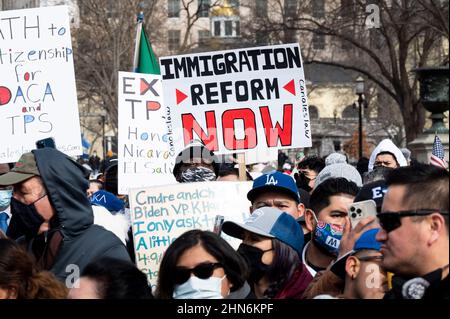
274, 181
269, 222
365, 241
107, 200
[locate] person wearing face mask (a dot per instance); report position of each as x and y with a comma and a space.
5, 214
52, 216
272, 242
201, 265
196, 163
326, 218
5, 200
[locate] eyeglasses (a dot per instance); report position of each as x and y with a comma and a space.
390, 221
202, 271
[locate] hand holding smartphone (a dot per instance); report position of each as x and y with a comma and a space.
361, 210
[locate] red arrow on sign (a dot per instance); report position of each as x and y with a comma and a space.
290, 87
180, 96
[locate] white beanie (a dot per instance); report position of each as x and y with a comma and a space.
387, 145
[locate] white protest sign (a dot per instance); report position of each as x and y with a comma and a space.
146, 153
161, 214
38, 96
245, 99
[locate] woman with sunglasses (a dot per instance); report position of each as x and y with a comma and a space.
201, 265
272, 243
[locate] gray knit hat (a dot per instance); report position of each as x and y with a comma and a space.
337, 170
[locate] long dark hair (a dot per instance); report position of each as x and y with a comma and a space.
234, 265
19, 272
285, 262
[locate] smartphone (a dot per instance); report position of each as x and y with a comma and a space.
218, 224
360, 210
46, 142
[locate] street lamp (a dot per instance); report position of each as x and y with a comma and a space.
434, 95
359, 88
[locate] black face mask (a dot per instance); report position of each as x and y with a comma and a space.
303, 182
253, 257
28, 220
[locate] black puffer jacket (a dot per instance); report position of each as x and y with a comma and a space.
82, 240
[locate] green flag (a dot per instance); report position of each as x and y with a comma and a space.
147, 62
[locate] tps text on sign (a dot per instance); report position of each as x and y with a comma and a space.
161, 214
237, 100
37, 84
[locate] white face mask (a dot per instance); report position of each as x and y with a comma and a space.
196, 288
5, 198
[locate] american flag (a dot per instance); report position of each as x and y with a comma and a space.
437, 154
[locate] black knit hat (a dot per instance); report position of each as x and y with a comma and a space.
375, 191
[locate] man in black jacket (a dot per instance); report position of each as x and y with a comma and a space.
414, 235
52, 215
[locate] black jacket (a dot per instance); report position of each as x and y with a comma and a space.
82, 240
437, 290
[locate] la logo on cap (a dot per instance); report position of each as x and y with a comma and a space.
271, 180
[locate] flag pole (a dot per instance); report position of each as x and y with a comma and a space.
140, 19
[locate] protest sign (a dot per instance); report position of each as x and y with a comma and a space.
38, 97
146, 152
161, 214
245, 99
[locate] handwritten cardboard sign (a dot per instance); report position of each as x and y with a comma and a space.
37, 82
146, 147
161, 214
236, 100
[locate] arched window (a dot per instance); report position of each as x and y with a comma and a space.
350, 112
313, 112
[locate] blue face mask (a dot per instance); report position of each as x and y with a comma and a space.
196, 288
5, 198
328, 236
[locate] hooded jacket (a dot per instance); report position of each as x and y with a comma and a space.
387, 145
82, 241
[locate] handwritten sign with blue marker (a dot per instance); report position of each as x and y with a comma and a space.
38, 96
161, 214
146, 143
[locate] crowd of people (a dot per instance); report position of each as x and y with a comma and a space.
299, 241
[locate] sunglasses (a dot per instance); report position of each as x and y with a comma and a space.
390, 221
202, 271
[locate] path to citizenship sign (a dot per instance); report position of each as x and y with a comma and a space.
37, 82
146, 147
161, 214
245, 99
